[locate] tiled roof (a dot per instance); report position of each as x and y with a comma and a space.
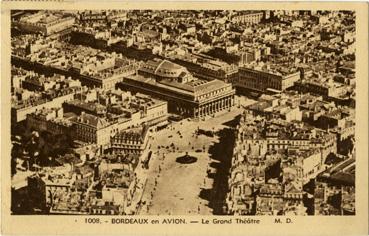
91, 120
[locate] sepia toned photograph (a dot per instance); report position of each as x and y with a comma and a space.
184, 118
183, 112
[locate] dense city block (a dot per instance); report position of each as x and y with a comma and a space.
183, 112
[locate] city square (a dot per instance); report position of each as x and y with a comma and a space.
186, 184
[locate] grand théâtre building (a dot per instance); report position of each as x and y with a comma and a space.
185, 94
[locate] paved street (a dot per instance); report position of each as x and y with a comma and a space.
175, 188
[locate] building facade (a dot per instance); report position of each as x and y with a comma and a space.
19, 112
130, 141
260, 81
186, 95
45, 23
248, 18
91, 129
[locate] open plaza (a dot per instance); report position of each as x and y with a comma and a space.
183, 189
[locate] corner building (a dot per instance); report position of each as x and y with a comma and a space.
185, 94
257, 80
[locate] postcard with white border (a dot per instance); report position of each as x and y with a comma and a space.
184, 118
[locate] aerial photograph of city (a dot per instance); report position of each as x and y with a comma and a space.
183, 112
